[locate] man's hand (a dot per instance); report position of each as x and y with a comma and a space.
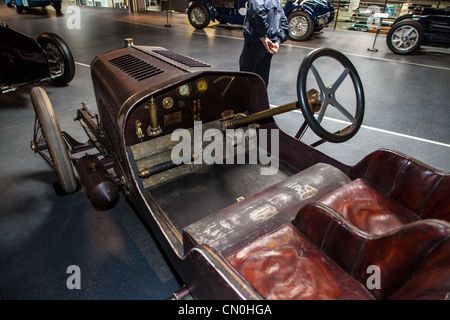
275, 47
271, 47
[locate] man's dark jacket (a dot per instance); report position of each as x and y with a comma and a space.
265, 18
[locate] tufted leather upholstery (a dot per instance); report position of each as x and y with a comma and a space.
390, 190
397, 253
323, 256
368, 209
394, 215
285, 265
413, 184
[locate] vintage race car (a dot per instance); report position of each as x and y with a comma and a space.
304, 17
242, 209
425, 26
24, 60
19, 5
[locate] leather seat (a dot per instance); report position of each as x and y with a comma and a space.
390, 190
323, 256
368, 209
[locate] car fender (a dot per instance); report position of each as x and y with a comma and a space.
313, 8
295, 7
20, 3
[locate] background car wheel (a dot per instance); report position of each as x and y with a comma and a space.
198, 15
301, 26
47, 128
405, 37
59, 55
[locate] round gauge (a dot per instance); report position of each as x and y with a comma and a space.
184, 90
202, 85
167, 103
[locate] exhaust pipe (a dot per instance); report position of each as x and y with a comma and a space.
100, 186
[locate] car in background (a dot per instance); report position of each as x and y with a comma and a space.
362, 13
304, 17
425, 26
25, 61
19, 5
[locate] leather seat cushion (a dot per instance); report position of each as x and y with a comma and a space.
367, 208
285, 265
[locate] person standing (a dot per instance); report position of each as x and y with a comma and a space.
265, 28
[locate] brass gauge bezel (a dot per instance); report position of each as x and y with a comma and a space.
167, 102
202, 85
184, 90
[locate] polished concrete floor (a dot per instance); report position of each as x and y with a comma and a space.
43, 233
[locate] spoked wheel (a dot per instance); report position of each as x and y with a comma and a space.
198, 15
49, 142
323, 89
60, 58
405, 36
301, 26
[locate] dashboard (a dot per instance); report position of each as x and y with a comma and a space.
202, 97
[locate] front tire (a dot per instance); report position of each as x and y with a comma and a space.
301, 26
59, 55
47, 122
405, 37
198, 15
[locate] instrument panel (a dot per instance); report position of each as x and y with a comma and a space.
200, 98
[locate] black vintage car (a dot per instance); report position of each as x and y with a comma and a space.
425, 26
243, 210
24, 60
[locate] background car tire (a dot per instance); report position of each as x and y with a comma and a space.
198, 15
301, 26
405, 37
53, 45
55, 141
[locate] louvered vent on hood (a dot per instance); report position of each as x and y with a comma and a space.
178, 57
135, 67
